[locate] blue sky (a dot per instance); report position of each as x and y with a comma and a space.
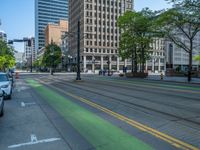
17, 16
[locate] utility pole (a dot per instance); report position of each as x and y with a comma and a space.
78, 52
31, 61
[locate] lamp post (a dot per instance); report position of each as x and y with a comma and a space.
31, 61
108, 62
69, 61
94, 62
51, 54
63, 62
78, 53
199, 63
154, 61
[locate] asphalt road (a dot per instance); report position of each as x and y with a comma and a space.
105, 113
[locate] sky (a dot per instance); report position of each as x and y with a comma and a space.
17, 17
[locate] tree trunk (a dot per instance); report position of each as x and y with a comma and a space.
143, 61
135, 62
190, 61
141, 58
51, 70
132, 61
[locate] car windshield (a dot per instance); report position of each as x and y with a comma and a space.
3, 77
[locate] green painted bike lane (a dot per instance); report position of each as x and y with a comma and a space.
98, 132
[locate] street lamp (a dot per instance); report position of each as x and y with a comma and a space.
93, 62
69, 61
108, 62
52, 61
31, 61
62, 62
154, 61
78, 53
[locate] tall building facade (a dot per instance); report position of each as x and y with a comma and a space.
54, 32
157, 52
3, 35
99, 32
29, 50
177, 57
48, 11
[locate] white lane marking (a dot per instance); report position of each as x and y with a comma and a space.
33, 138
22, 104
21, 88
34, 141
26, 104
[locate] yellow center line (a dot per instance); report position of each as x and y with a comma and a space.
171, 140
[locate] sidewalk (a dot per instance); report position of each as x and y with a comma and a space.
173, 79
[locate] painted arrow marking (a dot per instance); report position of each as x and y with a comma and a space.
26, 104
34, 141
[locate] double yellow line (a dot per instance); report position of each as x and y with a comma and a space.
173, 141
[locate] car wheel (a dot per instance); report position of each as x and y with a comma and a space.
10, 96
2, 112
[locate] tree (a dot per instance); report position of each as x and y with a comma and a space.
197, 58
38, 63
52, 56
181, 24
7, 59
137, 34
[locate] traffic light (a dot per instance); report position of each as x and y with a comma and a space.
29, 43
10, 42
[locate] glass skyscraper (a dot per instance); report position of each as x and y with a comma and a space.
48, 11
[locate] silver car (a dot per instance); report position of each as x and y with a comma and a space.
1, 102
6, 85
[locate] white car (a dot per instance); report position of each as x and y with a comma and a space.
6, 85
1, 102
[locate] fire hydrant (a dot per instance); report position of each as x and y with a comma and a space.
161, 76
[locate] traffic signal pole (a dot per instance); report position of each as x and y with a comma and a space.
78, 53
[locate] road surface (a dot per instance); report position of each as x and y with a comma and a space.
104, 113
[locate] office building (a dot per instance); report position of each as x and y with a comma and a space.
48, 11
99, 32
178, 58
54, 32
156, 62
19, 59
3, 35
29, 50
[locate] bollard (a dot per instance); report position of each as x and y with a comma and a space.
17, 75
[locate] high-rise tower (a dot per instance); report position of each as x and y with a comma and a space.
48, 11
99, 32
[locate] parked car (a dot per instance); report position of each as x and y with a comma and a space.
1, 102
6, 85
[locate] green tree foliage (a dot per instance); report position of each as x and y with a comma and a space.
38, 63
183, 20
52, 56
7, 59
197, 58
137, 34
